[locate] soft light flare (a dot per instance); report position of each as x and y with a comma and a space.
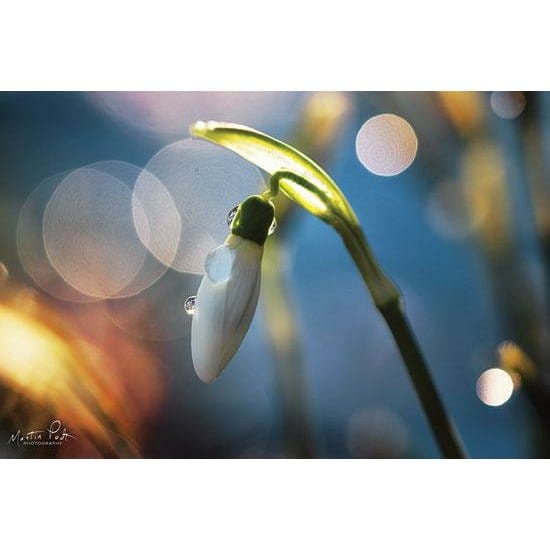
495, 387
386, 145
89, 375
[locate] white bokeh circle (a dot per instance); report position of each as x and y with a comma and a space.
89, 234
30, 244
386, 145
205, 182
508, 104
494, 387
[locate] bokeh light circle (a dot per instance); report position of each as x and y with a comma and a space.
508, 104
89, 234
205, 182
494, 387
30, 244
386, 145
152, 269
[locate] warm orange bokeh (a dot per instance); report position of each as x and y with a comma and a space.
100, 382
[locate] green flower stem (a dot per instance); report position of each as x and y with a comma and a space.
388, 301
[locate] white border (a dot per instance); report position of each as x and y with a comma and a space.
277, 504
282, 45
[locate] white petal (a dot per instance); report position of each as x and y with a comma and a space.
225, 304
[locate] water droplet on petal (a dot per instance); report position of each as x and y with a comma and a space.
273, 227
190, 305
231, 215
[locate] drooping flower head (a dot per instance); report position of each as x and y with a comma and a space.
228, 293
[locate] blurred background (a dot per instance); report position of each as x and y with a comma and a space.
107, 210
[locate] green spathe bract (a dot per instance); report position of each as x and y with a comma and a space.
304, 182
323, 198
253, 219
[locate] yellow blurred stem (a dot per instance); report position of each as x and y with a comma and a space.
284, 340
315, 134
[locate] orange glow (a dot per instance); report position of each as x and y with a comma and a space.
485, 193
514, 360
322, 119
92, 377
464, 110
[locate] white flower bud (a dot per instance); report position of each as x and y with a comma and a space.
225, 304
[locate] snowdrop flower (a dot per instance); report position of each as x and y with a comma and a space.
308, 185
228, 293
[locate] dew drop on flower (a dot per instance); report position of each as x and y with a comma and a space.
272, 227
153, 314
231, 215
189, 305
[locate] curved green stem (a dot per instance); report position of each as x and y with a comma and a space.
388, 301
